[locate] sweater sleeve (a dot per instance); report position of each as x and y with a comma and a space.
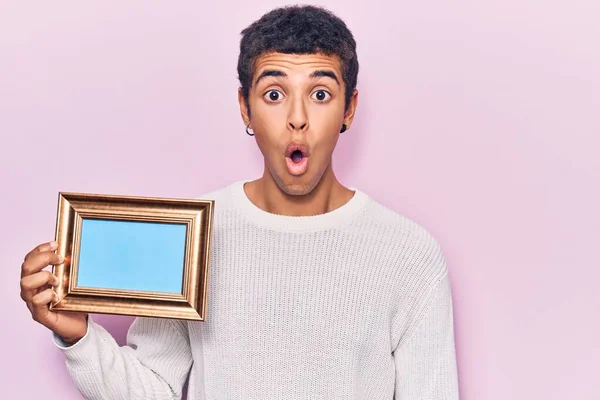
426, 361
154, 363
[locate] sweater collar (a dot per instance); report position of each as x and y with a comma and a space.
285, 223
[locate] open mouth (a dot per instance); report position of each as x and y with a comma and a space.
296, 152
297, 159
297, 156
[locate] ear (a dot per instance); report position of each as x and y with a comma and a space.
349, 114
244, 111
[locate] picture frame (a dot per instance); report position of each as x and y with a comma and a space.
133, 255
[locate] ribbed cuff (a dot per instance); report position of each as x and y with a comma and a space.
79, 354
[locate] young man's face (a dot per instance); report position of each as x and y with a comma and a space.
297, 107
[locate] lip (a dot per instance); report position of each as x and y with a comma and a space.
296, 169
296, 146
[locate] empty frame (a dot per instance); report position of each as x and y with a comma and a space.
139, 256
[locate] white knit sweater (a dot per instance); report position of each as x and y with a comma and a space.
352, 304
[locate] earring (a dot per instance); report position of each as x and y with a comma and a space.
344, 127
247, 127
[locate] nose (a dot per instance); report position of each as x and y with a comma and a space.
298, 117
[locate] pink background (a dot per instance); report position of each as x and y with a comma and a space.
478, 119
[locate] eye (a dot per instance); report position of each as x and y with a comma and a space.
321, 95
273, 95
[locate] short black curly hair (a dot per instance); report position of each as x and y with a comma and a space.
297, 29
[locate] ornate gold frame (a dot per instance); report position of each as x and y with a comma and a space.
196, 214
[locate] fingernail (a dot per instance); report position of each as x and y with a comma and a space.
53, 245
60, 258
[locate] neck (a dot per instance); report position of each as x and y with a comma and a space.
328, 195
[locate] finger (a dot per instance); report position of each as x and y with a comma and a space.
48, 246
31, 283
40, 261
40, 302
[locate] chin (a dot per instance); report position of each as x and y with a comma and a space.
296, 185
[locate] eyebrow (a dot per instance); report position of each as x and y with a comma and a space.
270, 72
328, 74
315, 74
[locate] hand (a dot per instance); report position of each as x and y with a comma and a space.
37, 292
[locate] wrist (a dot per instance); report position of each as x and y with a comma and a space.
70, 341
75, 336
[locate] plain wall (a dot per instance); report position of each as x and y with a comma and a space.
480, 120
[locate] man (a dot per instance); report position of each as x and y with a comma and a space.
316, 290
